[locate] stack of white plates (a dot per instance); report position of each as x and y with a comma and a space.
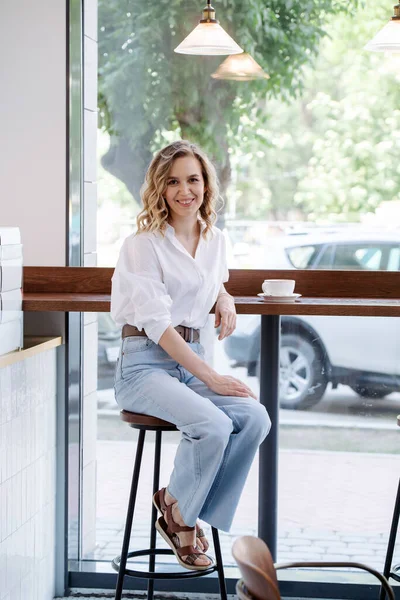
11, 316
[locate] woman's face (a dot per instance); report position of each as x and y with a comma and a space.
185, 187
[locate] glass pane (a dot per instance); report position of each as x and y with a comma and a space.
339, 449
306, 160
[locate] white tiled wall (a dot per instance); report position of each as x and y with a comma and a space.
27, 478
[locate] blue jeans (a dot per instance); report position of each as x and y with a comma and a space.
220, 434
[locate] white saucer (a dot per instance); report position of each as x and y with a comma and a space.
269, 298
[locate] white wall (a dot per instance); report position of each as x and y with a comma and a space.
32, 196
33, 126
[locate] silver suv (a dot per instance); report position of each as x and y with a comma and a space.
361, 352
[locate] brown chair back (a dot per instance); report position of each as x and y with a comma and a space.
258, 571
257, 567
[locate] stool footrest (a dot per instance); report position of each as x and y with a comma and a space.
159, 574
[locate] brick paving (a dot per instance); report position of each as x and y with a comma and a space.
332, 505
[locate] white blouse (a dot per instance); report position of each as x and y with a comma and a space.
157, 283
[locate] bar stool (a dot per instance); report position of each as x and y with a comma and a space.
146, 423
388, 570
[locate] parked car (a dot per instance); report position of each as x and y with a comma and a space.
361, 352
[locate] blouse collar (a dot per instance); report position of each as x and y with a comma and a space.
170, 231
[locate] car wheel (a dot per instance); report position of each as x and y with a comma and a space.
302, 373
371, 390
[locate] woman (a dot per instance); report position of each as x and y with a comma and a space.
168, 277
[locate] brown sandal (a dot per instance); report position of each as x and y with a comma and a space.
169, 533
161, 506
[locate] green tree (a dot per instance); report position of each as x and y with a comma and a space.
333, 151
356, 123
148, 94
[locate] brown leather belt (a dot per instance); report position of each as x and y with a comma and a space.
187, 333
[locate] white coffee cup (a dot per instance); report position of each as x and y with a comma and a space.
278, 287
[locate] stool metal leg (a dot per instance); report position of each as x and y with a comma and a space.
153, 531
129, 515
392, 541
220, 565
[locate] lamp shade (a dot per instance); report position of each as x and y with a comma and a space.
208, 39
240, 67
387, 39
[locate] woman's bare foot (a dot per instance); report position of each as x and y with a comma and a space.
202, 542
168, 498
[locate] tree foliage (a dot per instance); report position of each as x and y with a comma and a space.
355, 125
148, 94
331, 154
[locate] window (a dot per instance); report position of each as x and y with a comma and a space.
355, 257
394, 259
282, 171
325, 258
302, 257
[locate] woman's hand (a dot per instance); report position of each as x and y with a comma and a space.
229, 386
225, 315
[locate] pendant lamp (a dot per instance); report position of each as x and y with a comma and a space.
388, 38
240, 67
208, 38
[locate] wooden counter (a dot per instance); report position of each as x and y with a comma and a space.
32, 346
368, 307
336, 293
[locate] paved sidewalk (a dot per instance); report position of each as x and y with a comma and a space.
333, 505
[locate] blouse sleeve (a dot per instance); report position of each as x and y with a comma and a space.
225, 270
138, 295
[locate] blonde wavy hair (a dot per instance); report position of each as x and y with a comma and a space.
155, 213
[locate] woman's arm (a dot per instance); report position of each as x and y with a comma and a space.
225, 313
178, 349
223, 292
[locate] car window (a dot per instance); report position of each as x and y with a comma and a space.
302, 257
325, 258
394, 259
350, 256
370, 258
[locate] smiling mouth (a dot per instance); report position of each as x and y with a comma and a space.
185, 202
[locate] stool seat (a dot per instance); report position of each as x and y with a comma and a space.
140, 421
